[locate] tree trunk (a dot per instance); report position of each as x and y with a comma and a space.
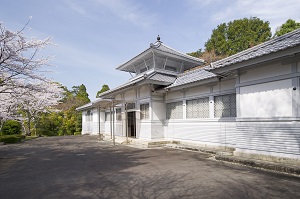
28, 121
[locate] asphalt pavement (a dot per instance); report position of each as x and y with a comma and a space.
84, 167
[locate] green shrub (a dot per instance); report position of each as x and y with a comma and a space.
77, 133
10, 138
11, 127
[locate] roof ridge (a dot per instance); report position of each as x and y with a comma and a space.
190, 72
254, 48
183, 54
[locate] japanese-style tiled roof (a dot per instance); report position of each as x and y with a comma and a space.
280, 43
156, 75
192, 76
88, 105
162, 47
123, 86
163, 77
158, 47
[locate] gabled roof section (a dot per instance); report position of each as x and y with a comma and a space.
159, 46
288, 40
152, 76
161, 49
192, 76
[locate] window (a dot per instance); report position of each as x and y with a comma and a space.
89, 116
143, 70
107, 116
174, 110
144, 111
130, 106
171, 68
225, 105
118, 114
197, 108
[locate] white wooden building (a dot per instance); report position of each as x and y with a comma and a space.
248, 101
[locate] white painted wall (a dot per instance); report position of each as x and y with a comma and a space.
224, 85
90, 127
144, 92
208, 132
265, 71
276, 138
130, 95
200, 90
173, 96
272, 99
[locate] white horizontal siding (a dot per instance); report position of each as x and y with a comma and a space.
279, 138
214, 132
91, 128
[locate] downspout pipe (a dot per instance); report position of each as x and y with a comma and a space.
113, 127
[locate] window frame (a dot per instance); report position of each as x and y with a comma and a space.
144, 111
225, 105
201, 106
175, 108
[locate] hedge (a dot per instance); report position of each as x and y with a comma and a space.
11, 138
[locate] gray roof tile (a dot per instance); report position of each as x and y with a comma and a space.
192, 76
163, 77
280, 43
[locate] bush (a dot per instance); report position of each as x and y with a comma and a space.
77, 133
11, 127
11, 138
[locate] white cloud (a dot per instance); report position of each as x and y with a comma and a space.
129, 11
77, 8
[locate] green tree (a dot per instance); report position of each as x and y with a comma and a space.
49, 124
238, 35
67, 121
80, 93
287, 27
103, 89
197, 53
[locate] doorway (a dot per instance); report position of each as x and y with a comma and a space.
131, 124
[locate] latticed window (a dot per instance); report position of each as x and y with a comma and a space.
130, 106
174, 110
144, 111
118, 114
197, 108
107, 116
225, 105
89, 116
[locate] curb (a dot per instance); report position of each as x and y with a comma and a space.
274, 166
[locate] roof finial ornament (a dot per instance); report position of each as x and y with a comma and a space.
157, 43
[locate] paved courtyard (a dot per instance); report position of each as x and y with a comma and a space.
83, 167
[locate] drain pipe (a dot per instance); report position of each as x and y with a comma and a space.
113, 122
99, 128
110, 122
126, 123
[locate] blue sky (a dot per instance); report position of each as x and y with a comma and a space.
93, 37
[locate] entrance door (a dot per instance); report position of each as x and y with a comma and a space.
131, 124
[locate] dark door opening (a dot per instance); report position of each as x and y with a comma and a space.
131, 124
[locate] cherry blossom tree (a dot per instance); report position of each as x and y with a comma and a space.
20, 59
23, 85
42, 99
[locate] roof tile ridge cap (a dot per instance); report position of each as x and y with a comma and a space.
150, 74
192, 71
184, 54
271, 41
